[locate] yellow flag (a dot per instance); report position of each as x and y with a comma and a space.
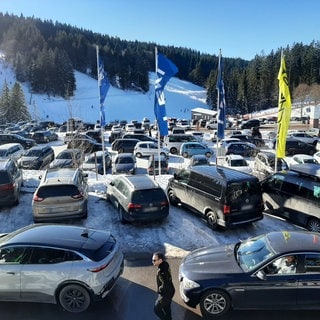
284, 110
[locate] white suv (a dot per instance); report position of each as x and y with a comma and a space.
148, 148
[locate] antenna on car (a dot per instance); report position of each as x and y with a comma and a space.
85, 233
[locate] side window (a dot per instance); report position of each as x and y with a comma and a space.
183, 176
41, 255
312, 263
12, 255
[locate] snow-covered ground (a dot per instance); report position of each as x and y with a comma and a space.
182, 231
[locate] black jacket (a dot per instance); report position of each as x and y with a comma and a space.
164, 281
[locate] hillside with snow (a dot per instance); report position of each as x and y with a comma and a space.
181, 97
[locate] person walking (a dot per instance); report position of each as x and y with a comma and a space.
165, 287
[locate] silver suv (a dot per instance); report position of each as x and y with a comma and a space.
62, 194
62, 264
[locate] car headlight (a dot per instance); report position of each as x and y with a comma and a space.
189, 284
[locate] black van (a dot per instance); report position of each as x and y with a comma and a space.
225, 197
295, 195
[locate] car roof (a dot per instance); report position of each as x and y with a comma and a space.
62, 236
141, 181
286, 241
8, 145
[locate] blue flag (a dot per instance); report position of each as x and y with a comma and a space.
104, 85
221, 103
165, 70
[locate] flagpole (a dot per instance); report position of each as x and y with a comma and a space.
101, 126
158, 127
218, 101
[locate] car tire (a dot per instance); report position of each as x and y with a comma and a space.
138, 155
173, 150
121, 215
313, 225
208, 154
214, 303
212, 219
74, 298
172, 198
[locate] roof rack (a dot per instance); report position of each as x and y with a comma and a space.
311, 170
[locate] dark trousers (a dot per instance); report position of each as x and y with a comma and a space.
162, 308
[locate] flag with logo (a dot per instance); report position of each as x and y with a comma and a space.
104, 85
165, 70
284, 110
221, 103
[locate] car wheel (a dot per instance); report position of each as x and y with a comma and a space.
172, 198
173, 150
212, 219
214, 303
208, 154
74, 298
185, 155
138, 155
313, 225
121, 215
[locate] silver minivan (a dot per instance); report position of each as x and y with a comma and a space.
62, 194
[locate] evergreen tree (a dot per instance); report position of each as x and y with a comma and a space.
18, 105
5, 103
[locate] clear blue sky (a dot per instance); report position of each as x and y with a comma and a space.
241, 28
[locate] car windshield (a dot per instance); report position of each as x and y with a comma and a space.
239, 163
253, 252
243, 189
65, 155
3, 153
124, 160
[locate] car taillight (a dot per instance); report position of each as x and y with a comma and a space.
226, 209
36, 198
9, 186
100, 268
78, 196
164, 203
134, 206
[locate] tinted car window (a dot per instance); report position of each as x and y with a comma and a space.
238, 190
102, 251
148, 195
58, 191
12, 255
4, 177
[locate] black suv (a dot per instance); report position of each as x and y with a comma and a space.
124, 145
37, 157
10, 182
138, 198
251, 123
44, 136
15, 138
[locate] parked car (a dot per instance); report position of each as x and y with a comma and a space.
199, 160
224, 197
154, 162
178, 130
94, 162
264, 162
237, 162
212, 124
295, 195
11, 180
124, 145
244, 149
44, 136
94, 134
294, 146
189, 149
88, 145
302, 158
174, 141
14, 138
245, 275
124, 163
249, 124
304, 137
80, 265
62, 194
259, 142
313, 132
36, 158
11, 150
138, 198
316, 156
139, 136
146, 149
69, 158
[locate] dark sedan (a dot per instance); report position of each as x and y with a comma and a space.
294, 146
278, 270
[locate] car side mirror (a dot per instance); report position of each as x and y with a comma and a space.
111, 183
40, 177
261, 275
